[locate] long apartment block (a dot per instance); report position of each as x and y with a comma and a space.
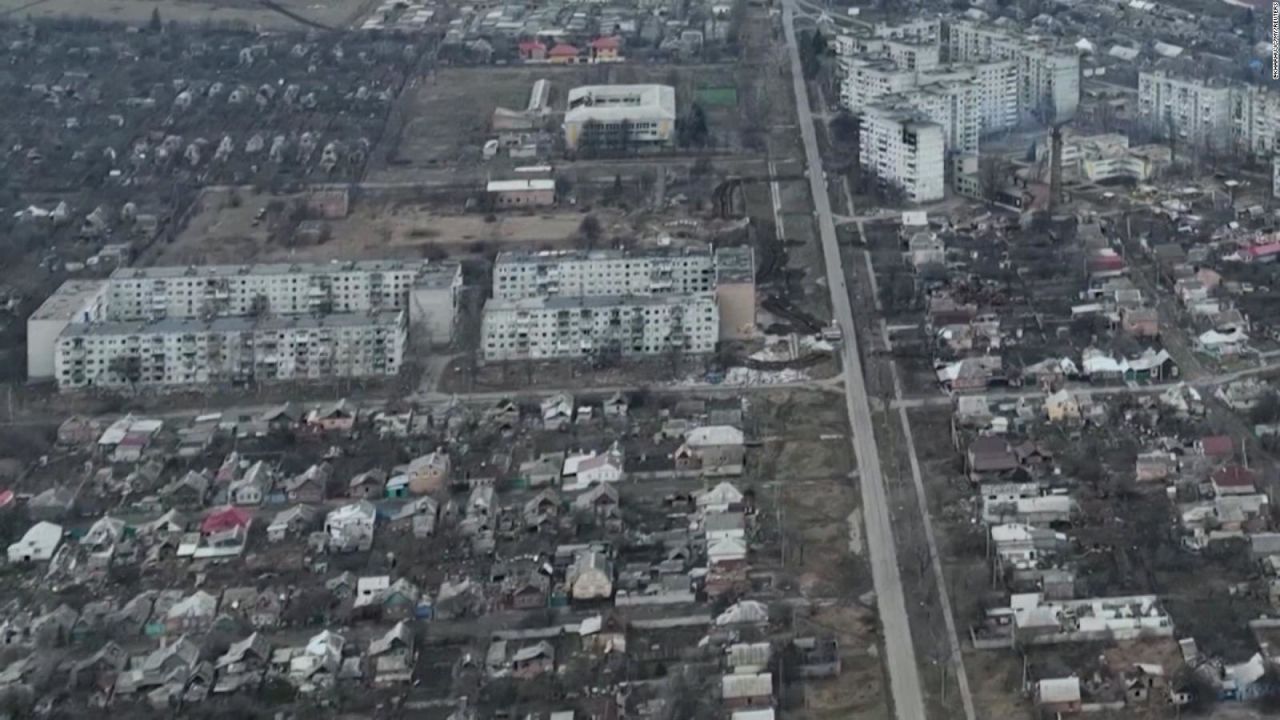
1214, 113
543, 328
240, 323
727, 275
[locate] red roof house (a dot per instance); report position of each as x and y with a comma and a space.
1217, 446
563, 53
225, 519
532, 50
1234, 480
606, 49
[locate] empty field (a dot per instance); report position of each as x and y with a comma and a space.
227, 232
330, 13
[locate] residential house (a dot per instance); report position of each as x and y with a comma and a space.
94, 620
282, 418
1216, 447
193, 614
316, 665
542, 471
351, 527
599, 500
1234, 480
557, 412
748, 658
98, 672
397, 487
309, 486
722, 525
581, 471
1229, 342
1145, 683
563, 54
38, 543
591, 576
724, 496
726, 553
747, 691
1155, 466
190, 492
53, 629
533, 660
77, 431
1062, 407
541, 510
252, 488
526, 591
989, 457
225, 519
713, 450
337, 417
368, 485
401, 600
291, 522
171, 665
1060, 696
606, 49
970, 374
393, 656
243, 665
52, 504
615, 406
102, 537
429, 473
532, 51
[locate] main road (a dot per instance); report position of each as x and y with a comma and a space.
904, 675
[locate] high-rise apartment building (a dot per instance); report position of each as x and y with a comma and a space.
904, 149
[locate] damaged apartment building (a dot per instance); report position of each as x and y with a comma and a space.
582, 303
178, 326
954, 79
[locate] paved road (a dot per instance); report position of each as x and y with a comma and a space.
904, 676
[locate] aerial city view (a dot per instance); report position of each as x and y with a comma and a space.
640, 359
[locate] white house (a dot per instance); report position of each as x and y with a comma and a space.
38, 544
581, 471
350, 527
719, 498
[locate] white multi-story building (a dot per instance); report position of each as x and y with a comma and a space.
1259, 114
75, 302
952, 102
1196, 111
905, 150
871, 72
1048, 78
612, 115
1212, 113
520, 275
88, 333
997, 95
866, 80
569, 327
280, 289
919, 29
1275, 176
230, 350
